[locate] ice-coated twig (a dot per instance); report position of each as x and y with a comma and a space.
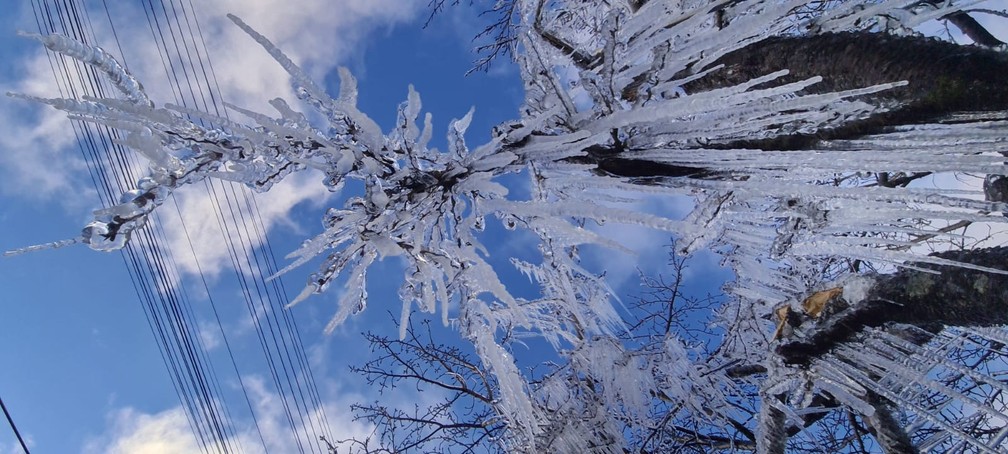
100, 59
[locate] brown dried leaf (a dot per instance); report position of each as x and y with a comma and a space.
814, 304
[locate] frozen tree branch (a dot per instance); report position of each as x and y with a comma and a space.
971, 28
931, 296
944, 78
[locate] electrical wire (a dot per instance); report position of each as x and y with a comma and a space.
283, 339
10, 420
152, 267
181, 349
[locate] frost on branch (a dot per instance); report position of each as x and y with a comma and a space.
421, 205
611, 112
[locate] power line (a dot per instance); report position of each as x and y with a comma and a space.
282, 345
238, 250
10, 420
168, 312
152, 267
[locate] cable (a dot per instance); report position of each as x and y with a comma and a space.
227, 344
181, 351
152, 267
283, 340
10, 420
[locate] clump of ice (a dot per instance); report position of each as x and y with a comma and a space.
856, 287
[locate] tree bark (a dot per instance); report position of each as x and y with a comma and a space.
772, 435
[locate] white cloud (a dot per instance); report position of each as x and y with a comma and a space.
14, 447
140, 433
131, 431
199, 225
276, 430
316, 34
209, 335
37, 158
650, 245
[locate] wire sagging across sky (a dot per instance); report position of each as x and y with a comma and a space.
175, 29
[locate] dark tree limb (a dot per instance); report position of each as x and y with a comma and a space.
887, 429
611, 161
888, 181
956, 297
745, 370
971, 28
773, 433
943, 78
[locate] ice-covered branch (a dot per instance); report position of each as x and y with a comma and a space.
931, 297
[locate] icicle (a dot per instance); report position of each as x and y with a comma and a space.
355, 298
44, 246
300, 78
583, 209
456, 135
513, 401
100, 59
85, 108
371, 134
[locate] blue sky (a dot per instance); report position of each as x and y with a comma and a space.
81, 371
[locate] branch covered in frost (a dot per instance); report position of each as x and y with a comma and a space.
422, 205
95, 56
930, 296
